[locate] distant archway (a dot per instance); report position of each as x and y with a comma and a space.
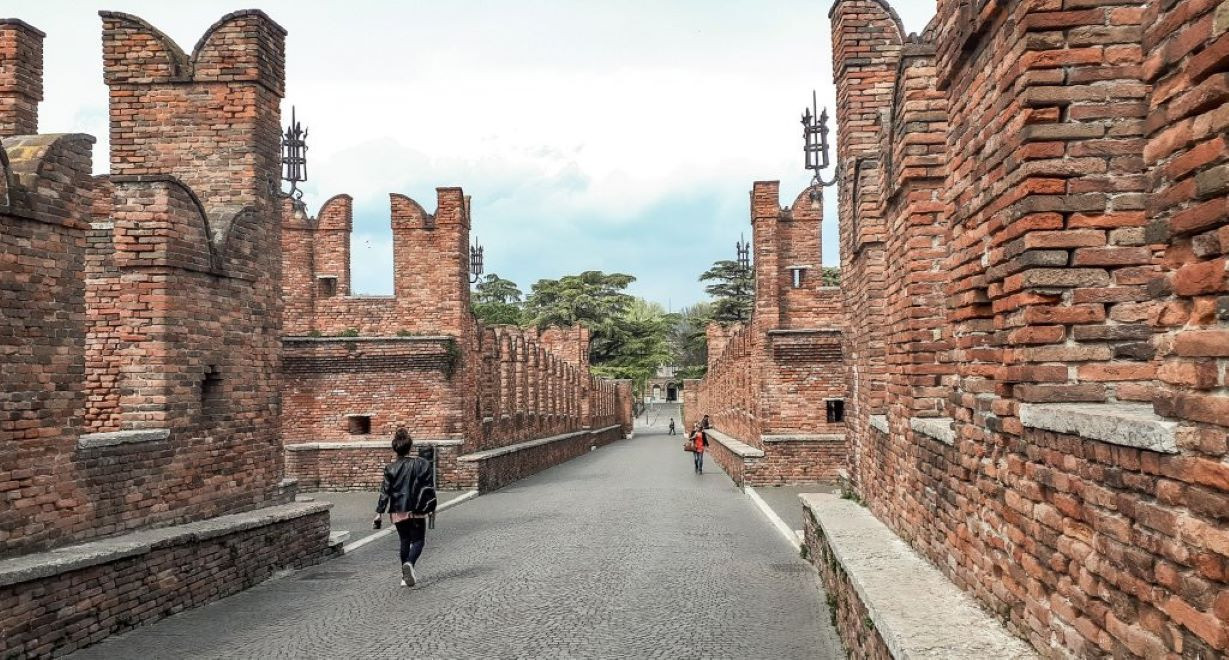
672, 392
657, 392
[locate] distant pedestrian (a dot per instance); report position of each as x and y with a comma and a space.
705, 424
699, 440
408, 495
671, 427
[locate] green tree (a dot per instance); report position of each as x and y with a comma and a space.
594, 299
732, 289
688, 337
831, 276
495, 289
629, 337
497, 301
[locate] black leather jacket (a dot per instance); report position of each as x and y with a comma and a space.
403, 479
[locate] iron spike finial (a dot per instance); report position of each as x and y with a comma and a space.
294, 156
815, 145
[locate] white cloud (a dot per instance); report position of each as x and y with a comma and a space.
609, 134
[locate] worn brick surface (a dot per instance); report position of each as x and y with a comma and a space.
418, 358
143, 301
773, 374
1044, 181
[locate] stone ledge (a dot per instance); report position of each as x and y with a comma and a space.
529, 444
939, 428
879, 422
802, 331
1126, 424
372, 444
76, 557
736, 446
413, 338
802, 437
902, 592
115, 438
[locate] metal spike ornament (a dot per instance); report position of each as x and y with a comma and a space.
815, 147
294, 156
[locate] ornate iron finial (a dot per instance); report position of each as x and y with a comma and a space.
815, 146
294, 156
744, 253
475, 262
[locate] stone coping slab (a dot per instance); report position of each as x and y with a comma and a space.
879, 422
738, 447
76, 557
414, 338
939, 428
801, 331
373, 444
1127, 424
916, 610
115, 438
803, 437
529, 444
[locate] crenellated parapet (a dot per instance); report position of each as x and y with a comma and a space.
1043, 187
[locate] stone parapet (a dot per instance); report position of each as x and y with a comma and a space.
885, 596
55, 602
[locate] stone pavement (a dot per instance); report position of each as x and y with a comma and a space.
621, 553
783, 500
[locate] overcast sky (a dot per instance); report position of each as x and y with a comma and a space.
616, 135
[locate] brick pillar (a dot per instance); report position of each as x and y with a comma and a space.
431, 263
21, 77
718, 336
212, 121
914, 158
1188, 215
866, 45
623, 405
765, 215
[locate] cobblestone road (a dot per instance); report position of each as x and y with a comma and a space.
623, 553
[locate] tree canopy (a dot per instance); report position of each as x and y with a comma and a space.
497, 301
732, 289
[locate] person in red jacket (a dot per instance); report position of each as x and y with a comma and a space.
699, 439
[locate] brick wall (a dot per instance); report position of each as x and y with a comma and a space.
847, 612
21, 77
43, 315
68, 611
419, 358
1052, 172
773, 374
360, 465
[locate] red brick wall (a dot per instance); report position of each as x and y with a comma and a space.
1070, 213
395, 381
68, 611
21, 77
361, 467
168, 318
42, 316
773, 374
866, 43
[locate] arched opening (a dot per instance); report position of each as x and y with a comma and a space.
657, 392
672, 392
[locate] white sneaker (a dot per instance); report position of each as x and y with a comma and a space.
403, 583
407, 574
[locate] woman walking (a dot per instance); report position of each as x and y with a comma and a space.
406, 486
698, 440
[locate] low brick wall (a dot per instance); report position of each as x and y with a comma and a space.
733, 464
499, 467
798, 460
344, 466
783, 460
57, 602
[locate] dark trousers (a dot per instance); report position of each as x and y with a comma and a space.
413, 535
699, 461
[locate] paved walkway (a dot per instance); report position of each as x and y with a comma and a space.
620, 553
